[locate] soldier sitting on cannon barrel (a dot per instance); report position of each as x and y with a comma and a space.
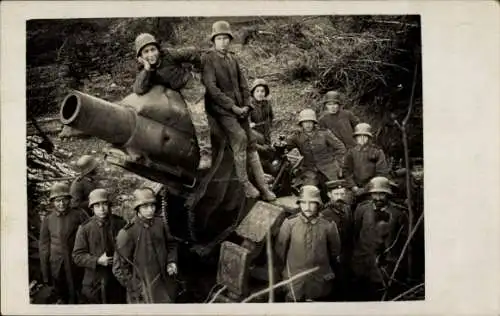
164, 67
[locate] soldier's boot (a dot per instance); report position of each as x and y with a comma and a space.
205, 146
240, 164
260, 179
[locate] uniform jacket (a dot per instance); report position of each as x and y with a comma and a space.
170, 73
362, 163
148, 245
57, 238
262, 115
342, 216
341, 124
225, 83
80, 190
95, 237
374, 232
322, 151
303, 244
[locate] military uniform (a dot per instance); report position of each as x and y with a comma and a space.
95, 237
374, 232
262, 115
362, 163
341, 124
304, 243
57, 238
144, 248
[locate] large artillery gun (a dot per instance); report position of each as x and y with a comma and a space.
152, 136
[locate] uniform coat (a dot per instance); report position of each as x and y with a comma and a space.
95, 237
374, 232
148, 245
57, 238
341, 124
362, 163
80, 190
303, 244
262, 115
322, 151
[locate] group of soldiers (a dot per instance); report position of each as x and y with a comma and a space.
345, 226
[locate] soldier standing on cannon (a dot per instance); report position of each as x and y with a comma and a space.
306, 241
378, 226
228, 100
145, 258
94, 250
323, 152
57, 238
164, 67
85, 183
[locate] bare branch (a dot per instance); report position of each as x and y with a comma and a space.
409, 291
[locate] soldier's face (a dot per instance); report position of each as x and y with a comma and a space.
147, 210
309, 208
332, 107
150, 53
379, 199
337, 195
221, 42
61, 203
259, 93
101, 209
308, 126
362, 139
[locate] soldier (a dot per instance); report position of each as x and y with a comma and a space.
261, 117
341, 122
228, 100
338, 210
84, 183
94, 250
145, 259
57, 238
164, 67
377, 225
305, 241
364, 161
323, 152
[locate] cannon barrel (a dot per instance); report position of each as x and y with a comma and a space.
122, 126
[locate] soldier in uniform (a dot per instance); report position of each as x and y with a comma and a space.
307, 240
84, 183
378, 226
338, 210
323, 152
261, 117
145, 259
228, 100
57, 238
164, 67
94, 250
341, 122
364, 161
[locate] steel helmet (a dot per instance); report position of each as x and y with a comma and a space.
307, 115
259, 82
98, 195
363, 129
59, 189
86, 164
142, 40
310, 193
221, 27
143, 196
379, 184
333, 96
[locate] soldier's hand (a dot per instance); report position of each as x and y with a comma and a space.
252, 124
171, 268
143, 61
237, 110
104, 260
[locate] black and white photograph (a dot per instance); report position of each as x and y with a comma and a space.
225, 159
157, 158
